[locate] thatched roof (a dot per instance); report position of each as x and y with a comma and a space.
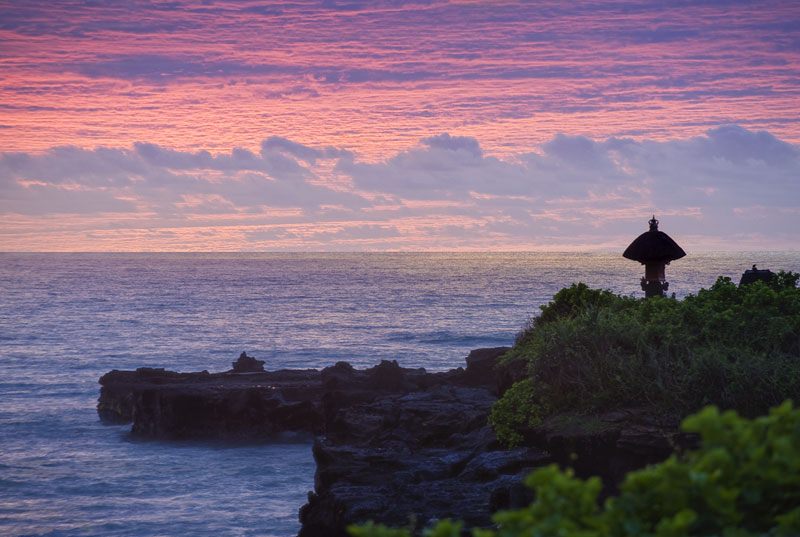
653, 245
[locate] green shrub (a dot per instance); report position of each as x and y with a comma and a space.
376, 530
735, 347
515, 411
742, 481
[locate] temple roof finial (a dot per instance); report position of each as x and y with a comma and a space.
653, 246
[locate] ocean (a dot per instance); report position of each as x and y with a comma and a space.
65, 319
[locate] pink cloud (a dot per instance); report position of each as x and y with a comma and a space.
378, 76
318, 125
443, 193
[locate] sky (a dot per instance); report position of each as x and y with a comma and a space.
398, 125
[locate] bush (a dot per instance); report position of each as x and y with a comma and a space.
515, 411
735, 347
743, 481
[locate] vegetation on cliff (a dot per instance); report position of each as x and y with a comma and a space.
591, 350
728, 347
741, 482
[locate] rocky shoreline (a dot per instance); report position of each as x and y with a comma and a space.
391, 444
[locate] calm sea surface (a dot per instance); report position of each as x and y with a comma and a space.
65, 319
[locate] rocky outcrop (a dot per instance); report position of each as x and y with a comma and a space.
247, 364
611, 444
248, 401
391, 444
425, 454
168, 405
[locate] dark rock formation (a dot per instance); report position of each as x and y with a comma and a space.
756, 275
427, 453
611, 444
391, 444
482, 370
169, 405
247, 364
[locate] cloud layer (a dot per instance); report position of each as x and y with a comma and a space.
729, 188
375, 77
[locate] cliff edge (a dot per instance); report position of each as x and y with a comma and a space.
391, 444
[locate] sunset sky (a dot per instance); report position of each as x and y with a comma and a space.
397, 125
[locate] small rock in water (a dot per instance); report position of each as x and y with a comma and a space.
247, 364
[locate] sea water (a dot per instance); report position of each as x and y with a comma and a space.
65, 319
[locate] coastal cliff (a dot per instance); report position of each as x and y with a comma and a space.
391, 444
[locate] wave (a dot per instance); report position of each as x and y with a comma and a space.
449, 338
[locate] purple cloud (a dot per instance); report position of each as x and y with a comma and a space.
731, 182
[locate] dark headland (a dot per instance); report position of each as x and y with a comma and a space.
598, 383
390, 443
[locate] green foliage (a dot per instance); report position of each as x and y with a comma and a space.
564, 506
735, 347
376, 530
566, 303
515, 411
742, 482
444, 528
784, 279
579, 297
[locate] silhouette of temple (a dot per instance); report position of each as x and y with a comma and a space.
654, 249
